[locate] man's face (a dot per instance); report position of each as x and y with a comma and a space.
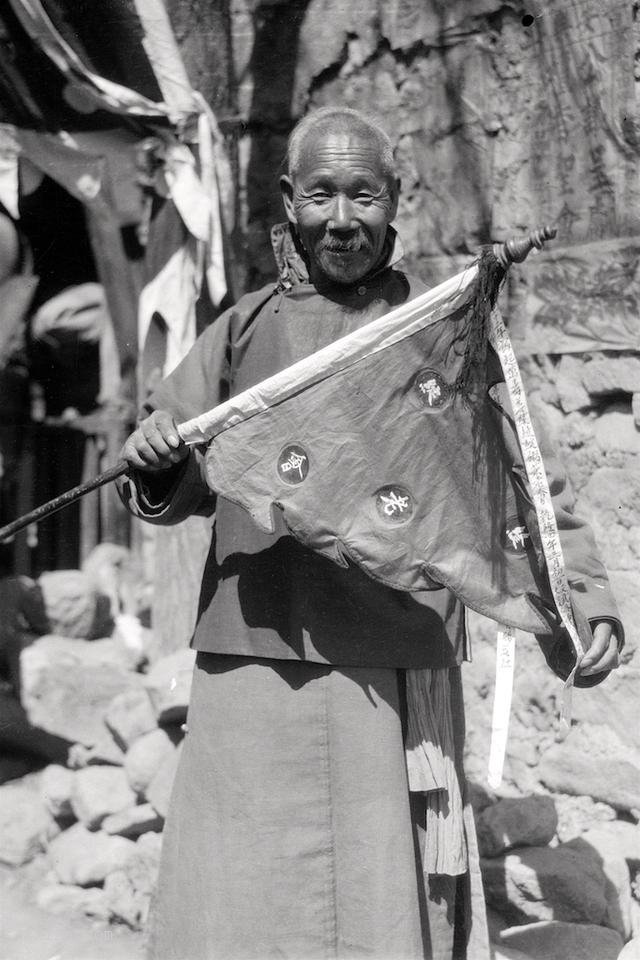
341, 202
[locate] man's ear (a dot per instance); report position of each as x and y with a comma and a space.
286, 189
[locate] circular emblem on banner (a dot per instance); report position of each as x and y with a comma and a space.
394, 503
516, 538
293, 464
432, 389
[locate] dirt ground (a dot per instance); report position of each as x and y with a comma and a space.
29, 933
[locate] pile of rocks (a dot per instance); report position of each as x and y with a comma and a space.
95, 822
590, 404
556, 884
560, 844
560, 841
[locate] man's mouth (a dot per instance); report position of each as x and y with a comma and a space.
342, 248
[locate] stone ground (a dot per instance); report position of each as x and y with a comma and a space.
29, 933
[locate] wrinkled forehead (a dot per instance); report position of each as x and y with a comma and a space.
329, 152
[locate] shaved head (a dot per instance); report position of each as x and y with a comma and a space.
340, 193
338, 120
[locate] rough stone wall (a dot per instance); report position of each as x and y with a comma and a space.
504, 117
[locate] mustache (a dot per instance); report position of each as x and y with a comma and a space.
352, 245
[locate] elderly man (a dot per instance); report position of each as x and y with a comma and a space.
292, 831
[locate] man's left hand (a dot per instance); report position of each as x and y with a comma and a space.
603, 653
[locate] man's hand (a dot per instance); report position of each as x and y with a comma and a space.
155, 445
603, 653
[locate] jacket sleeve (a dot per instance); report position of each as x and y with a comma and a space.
200, 382
171, 496
591, 595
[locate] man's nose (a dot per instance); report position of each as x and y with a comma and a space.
342, 215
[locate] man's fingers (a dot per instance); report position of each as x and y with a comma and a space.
157, 439
161, 434
166, 426
139, 453
131, 455
603, 652
608, 661
599, 644
155, 445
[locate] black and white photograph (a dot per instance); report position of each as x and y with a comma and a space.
319, 480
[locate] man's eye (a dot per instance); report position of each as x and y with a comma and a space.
364, 198
320, 197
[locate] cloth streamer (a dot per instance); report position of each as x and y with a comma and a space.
102, 92
205, 193
431, 768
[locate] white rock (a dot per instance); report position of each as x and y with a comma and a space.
103, 568
84, 857
616, 430
129, 890
137, 639
616, 838
569, 385
25, 823
610, 501
578, 814
68, 684
146, 756
117, 575
631, 950
169, 686
624, 585
98, 792
158, 792
56, 784
612, 375
105, 751
63, 899
594, 761
130, 715
612, 706
72, 604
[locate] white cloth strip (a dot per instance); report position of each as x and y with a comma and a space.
431, 769
164, 56
9, 183
209, 142
107, 93
540, 494
505, 666
393, 327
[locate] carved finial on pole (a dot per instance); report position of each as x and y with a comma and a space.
517, 250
